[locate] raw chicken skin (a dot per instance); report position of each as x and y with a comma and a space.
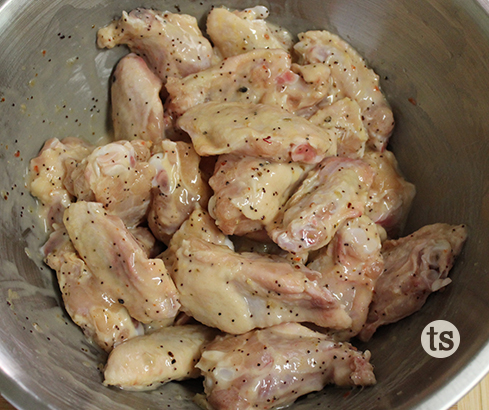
198, 225
258, 76
176, 189
271, 368
248, 191
351, 75
299, 89
48, 173
349, 267
147, 362
256, 130
344, 117
137, 110
171, 44
415, 266
336, 190
115, 258
236, 32
101, 317
244, 78
390, 196
238, 292
117, 176
146, 241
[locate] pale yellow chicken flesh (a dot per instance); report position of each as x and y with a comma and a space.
256, 130
271, 368
239, 292
149, 361
115, 258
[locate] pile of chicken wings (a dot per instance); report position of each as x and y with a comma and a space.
243, 225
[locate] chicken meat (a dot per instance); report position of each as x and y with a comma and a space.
176, 188
350, 77
239, 292
102, 318
137, 109
414, 267
243, 78
256, 130
49, 174
119, 263
249, 191
272, 368
118, 176
236, 32
334, 191
344, 117
170, 43
350, 265
390, 195
149, 361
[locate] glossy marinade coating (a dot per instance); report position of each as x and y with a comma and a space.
271, 368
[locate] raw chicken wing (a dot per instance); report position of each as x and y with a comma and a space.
147, 362
349, 267
177, 188
258, 76
256, 130
271, 368
300, 88
415, 266
198, 225
351, 75
238, 292
137, 110
344, 117
244, 78
146, 241
171, 44
236, 32
49, 172
249, 191
336, 190
115, 258
390, 196
102, 318
114, 175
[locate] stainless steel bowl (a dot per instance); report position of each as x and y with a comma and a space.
433, 58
